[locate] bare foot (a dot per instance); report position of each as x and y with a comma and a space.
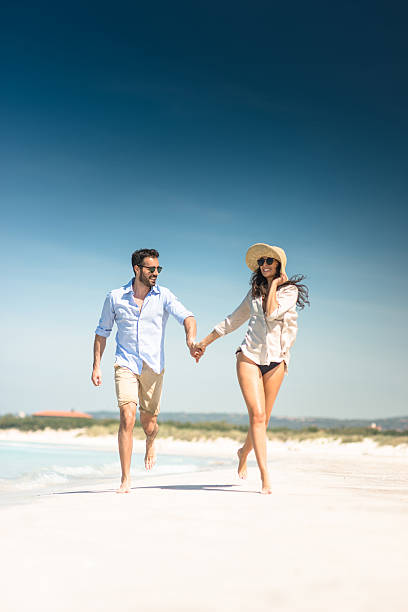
150, 456
124, 486
266, 486
242, 464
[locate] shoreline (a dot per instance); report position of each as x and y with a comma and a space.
221, 446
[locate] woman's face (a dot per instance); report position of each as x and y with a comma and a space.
268, 270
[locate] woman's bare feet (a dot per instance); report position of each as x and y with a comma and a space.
266, 485
124, 486
242, 464
150, 456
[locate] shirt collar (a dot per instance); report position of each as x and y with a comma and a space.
129, 287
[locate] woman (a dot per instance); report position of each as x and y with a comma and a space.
263, 357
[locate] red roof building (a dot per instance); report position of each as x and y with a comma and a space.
62, 413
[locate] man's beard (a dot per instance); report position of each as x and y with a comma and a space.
144, 279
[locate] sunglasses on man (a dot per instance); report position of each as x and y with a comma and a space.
268, 260
153, 268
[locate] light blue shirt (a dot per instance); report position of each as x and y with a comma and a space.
140, 335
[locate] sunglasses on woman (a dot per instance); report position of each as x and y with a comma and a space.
153, 268
268, 260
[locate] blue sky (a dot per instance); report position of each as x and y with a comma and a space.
199, 129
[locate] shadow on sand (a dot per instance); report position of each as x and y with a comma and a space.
222, 488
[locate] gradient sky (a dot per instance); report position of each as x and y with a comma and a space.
199, 128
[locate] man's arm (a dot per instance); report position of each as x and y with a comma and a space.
99, 347
190, 327
102, 332
183, 316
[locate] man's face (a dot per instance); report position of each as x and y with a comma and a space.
143, 273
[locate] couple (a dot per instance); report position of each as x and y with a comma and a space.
141, 310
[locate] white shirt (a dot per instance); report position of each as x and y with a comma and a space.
140, 336
268, 338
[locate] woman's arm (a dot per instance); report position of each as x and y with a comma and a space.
236, 318
271, 301
286, 299
209, 339
230, 323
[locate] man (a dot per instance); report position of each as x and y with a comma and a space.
141, 310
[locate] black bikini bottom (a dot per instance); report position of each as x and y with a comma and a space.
264, 368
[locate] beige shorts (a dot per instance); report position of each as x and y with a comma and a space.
144, 388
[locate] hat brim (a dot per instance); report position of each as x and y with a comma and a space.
261, 249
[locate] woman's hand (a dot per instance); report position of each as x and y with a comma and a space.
271, 301
280, 280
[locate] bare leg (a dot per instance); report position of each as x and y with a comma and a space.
151, 428
272, 382
251, 384
125, 441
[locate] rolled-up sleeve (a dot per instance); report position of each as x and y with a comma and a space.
107, 318
236, 318
286, 298
176, 308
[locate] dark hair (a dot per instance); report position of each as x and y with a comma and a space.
138, 256
259, 286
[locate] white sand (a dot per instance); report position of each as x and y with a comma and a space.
332, 537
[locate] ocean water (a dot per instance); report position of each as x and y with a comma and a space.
30, 469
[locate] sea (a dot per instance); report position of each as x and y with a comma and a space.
34, 469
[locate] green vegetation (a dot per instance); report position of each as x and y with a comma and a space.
35, 423
179, 431
344, 435
207, 430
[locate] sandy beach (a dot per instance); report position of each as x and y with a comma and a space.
333, 536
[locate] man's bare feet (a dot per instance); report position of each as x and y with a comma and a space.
124, 486
242, 464
150, 456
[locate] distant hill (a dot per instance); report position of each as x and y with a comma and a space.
390, 423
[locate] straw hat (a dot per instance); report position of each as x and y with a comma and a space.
260, 249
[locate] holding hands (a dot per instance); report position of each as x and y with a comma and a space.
197, 350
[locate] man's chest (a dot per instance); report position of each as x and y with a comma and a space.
131, 310
139, 303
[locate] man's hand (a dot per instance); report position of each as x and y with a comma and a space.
197, 351
192, 347
96, 377
99, 347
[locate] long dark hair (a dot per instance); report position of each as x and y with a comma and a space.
259, 286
